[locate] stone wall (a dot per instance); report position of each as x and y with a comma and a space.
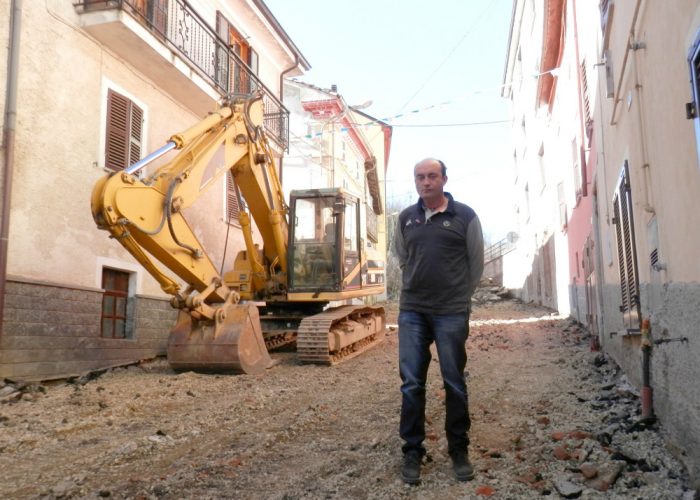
53, 331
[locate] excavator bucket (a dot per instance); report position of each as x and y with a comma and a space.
233, 344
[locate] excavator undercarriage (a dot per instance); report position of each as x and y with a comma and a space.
239, 340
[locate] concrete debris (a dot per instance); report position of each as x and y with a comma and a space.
567, 489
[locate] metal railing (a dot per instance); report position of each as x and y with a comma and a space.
498, 249
180, 27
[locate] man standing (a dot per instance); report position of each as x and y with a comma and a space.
440, 248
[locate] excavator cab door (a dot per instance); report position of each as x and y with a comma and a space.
351, 245
324, 240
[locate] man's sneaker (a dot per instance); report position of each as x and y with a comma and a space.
410, 467
462, 467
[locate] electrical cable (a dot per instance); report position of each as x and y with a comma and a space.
434, 72
455, 124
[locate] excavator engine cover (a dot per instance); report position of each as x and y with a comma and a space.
233, 343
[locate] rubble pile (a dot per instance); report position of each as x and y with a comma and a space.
491, 293
12, 391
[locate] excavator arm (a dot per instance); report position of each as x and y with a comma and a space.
145, 215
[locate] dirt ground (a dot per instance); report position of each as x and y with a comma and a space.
550, 417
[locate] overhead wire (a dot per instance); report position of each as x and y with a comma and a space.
434, 72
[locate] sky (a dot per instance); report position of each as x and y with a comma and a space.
431, 69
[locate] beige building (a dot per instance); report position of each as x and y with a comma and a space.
99, 85
334, 144
620, 132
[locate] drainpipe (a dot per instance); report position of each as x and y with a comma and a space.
629, 46
8, 145
646, 393
646, 174
291, 68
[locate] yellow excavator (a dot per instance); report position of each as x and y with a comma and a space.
272, 296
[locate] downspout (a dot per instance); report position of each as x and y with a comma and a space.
291, 68
646, 174
629, 45
8, 145
646, 392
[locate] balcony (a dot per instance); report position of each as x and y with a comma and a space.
170, 43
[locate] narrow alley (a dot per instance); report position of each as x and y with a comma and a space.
550, 417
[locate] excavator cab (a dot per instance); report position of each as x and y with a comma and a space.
324, 242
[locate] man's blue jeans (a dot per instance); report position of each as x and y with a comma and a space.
449, 332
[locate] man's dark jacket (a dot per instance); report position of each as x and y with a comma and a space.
441, 258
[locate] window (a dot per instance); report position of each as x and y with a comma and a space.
578, 158
350, 226
541, 168
154, 11
693, 107
124, 132
527, 202
233, 76
588, 120
371, 222
607, 8
626, 251
254, 64
609, 76
563, 214
115, 304
233, 205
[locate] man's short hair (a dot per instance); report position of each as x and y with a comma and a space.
442, 167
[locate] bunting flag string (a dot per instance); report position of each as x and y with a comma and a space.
407, 114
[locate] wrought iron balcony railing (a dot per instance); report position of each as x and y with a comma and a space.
180, 27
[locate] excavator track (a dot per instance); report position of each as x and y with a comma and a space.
338, 334
276, 340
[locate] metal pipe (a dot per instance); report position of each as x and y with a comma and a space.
8, 145
646, 180
284, 72
646, 392
630, 41
170, 145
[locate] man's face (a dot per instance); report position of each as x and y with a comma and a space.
429, 180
